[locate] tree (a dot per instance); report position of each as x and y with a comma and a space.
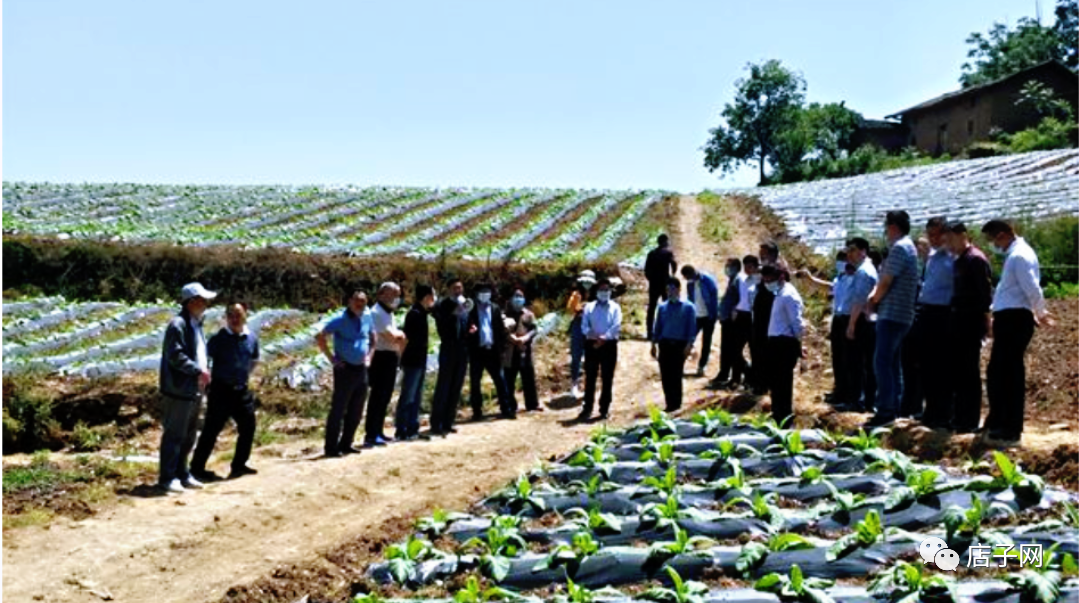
766, 103
1003, 51
821, 133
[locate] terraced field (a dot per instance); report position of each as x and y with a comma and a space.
1031, 185
527, 224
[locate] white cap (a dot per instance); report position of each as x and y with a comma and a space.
195, 290
586, 276
614, 281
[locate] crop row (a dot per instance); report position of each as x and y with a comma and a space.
1031, 185
742, 499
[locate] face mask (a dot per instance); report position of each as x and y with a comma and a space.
755, 278
997, 249
840, 267
603, 296
484, 297
394, 304
732, 272
460, 300
773, 286
518, 301
673, 294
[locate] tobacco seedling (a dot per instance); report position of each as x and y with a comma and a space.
594, 456
845, 501
906, 583
862, 441
754, 553
726, 450
762, 506
682, 544
594, 486
405, 557
968, 522
660, 516
578, 593
581, 546
1041, 584
659, 423
689, 591
713, 420
795, 587
867, 532
474, 593
668, 484
1026, 486
660, 451
521, 497
503, 541
594, 520
437, 523
919, 485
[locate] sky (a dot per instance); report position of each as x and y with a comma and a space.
582, 94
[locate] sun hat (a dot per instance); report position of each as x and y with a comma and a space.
191, 290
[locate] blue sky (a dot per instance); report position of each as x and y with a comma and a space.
598, 94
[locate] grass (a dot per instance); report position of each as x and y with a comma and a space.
1061, 290
715, 223
33, 517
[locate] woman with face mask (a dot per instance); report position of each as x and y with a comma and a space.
519, 344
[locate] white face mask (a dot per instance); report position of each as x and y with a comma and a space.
484, 297
840, 267
774, 286
460, 300
603, 296
754, 278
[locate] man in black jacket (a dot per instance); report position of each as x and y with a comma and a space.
486, 340
451, 319
659, 267
762, 314
183, 377
234, 351
413, 365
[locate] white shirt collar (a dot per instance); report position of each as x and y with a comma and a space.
244, 331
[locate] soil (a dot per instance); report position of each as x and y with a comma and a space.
306, 526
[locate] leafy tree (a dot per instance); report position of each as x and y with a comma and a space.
819, 134
1003, 51
766, 104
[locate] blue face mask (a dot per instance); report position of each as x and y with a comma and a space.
518, 301
840, 267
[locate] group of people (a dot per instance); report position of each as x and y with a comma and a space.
906, 337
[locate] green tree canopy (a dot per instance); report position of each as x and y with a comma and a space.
1003, 51
765, 104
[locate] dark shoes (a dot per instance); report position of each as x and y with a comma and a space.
205, 476
879, 421
238, 472
536, 409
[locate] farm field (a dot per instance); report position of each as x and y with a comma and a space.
526, 224
1027, 186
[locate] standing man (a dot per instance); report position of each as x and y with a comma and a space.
762, 312
894, 299
728, 360
389, 343
742, 324
703, 293
602, 325
520, 350
234, 352
658, 267
353, 344
486, 340
933, 382
972, 295
451, 319
672, 341
1018, 307
861, 335
784, 340
184, 376
840, 321
413, 366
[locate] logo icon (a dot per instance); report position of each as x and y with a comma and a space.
929, 547
947, 560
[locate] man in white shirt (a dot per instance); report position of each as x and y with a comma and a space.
784, 340
741, 323
382, 374
602, 327
1018, 307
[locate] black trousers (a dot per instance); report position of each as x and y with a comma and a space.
452, 366
1007, 375
655, 293
597, 362
967, 332
522, 365
383, 375
490, 360
912, 361
224, 402
732, 360
349, 395
672, 364
707, 328
936, 363
783, 353
862, 379
759, 357
838, 338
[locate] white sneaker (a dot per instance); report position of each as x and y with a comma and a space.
576, 391
173, 487
192, 483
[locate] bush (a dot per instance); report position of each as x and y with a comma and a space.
1051, 133
979, 150
1056, 242
28, 420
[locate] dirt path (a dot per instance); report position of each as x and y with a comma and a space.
194, 547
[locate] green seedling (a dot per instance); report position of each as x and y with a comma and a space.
762, 506
726, 450
593, 486
713, 420
659, 423
867, 532
662, 451
681, 591
570, 556
919, 486
503, 542
907, 583
967, 523
845, 501
594, 456
437, 523
595, 520
521, 497
578, 593
667, 484
862, 441
683, 544
1026, 486
474, 593
1041, 584
795, 587
405, 557
754, 553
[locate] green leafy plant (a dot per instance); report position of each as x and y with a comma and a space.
867, 532
845, 501
667, 484
659, 424
368, 598
795, 587
437, 523
405, 557
765, 423
811, 475
662, 515
502, 542
521, 497
967, 523
683, 544
754, 553
592, 486
1026, 486
726, 450
1041, 584
581, 546
713, 420
736, 482
761, 506
907, 583
919, 485
862, 441
578, 593
594, 456
474, 593
595, 520
893, 462
791, 444
681, 591
661, 451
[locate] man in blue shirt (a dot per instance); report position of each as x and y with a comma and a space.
353, 345
729, 359
840, 321
233, 352
785, 331
602, 328
861, 336
894, 300
672, 341
703, 292
928, 368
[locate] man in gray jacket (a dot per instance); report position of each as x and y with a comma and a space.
184, 376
